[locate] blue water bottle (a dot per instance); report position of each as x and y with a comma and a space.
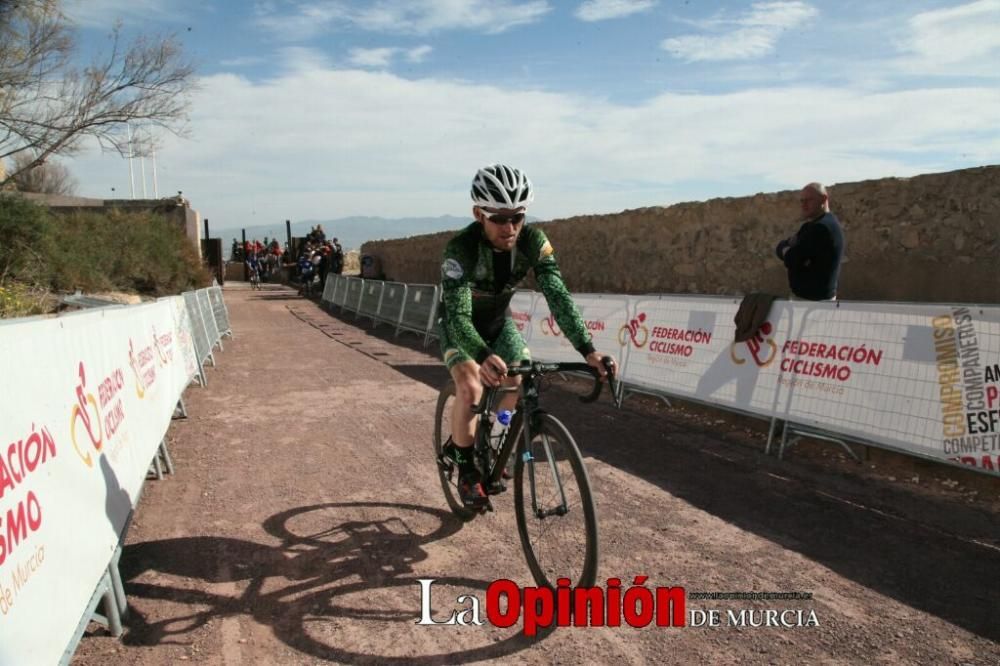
500, 422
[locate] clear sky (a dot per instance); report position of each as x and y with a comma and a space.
317, 109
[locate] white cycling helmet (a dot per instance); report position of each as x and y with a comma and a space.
501, 186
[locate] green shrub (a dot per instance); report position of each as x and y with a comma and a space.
25, 241
92, 251
125, 251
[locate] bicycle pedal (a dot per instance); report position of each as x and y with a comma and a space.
496, 488
445, 464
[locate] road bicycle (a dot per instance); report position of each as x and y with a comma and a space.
553, 503
255, 278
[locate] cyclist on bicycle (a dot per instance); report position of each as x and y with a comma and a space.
482, 266
253, 267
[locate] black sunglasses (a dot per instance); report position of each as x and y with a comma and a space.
497, 218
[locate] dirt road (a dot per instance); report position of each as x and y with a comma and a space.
306, 506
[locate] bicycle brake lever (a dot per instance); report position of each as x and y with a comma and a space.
613, 381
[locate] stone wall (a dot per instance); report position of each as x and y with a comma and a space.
929, 238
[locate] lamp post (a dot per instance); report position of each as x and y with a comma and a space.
131, 174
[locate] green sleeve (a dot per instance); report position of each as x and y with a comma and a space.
456, 271
560, 302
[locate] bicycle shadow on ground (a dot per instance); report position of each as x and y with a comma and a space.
921, 551
341, 574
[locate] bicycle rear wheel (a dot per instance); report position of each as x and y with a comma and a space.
558, 533
448, 472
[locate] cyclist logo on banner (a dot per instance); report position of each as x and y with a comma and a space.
140, 385
634, 331
82, 413
157, 343
550, 327
763, 350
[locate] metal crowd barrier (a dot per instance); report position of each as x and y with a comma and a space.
419, 311
339, 296
220, 311
355, 289
202, 346
208, 316
328, 288
371, 298
390, 310
407, 307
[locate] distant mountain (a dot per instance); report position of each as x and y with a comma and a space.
351, 231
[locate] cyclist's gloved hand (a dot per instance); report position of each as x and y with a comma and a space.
594, 360
492, 370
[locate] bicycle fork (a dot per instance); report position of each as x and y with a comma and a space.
529, 459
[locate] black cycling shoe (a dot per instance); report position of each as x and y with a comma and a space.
461, 456
452, 452
471, 492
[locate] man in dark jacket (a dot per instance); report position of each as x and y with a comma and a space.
813, 254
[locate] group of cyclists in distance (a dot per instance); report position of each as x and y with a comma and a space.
261, 259
317, 257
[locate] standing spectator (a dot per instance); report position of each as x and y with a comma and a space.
234, 254
812, 255
324, 263
337, 258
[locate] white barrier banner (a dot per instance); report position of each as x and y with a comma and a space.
602, 315
682, 345
922, 379
522, 308
89, 398
184, 341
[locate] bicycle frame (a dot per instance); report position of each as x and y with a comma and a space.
527, 412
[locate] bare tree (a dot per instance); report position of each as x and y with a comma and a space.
50, 177
47, 105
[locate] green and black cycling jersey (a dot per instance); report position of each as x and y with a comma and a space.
478, 282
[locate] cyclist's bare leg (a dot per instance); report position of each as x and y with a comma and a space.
468, 392
509, 400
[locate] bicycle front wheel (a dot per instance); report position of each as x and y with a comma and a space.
556, 518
